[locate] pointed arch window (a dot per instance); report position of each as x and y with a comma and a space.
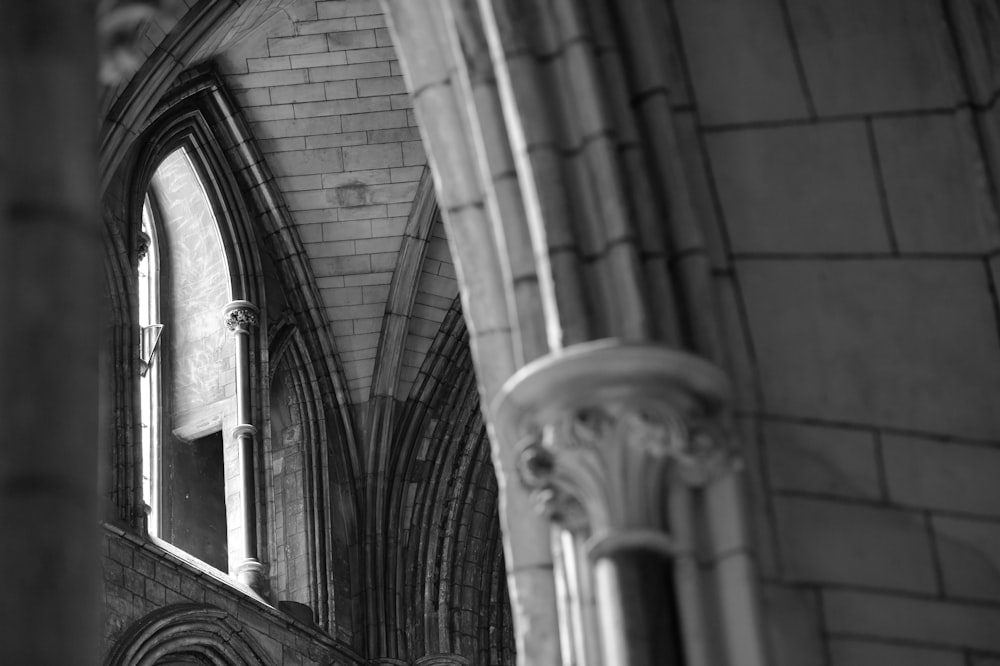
191, 475
224, 337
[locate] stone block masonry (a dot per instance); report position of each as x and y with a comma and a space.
325, 98
141, 578
854, 232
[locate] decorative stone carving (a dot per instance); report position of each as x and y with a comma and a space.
604, 429
240, 315
142, 245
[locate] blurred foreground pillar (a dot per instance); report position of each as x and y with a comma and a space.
50, 256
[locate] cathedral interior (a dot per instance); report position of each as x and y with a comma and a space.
500, 332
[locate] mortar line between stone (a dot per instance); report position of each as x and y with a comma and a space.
883, 195
800, 68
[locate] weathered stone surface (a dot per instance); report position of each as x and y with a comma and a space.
804, 188
753, 78
794, 626
825, 460
832, 542
865, 57
969, 551
176, 581
945, 476
921, 621
985, 661
326, 74
862, 653
741, 365
874, 342
937, 198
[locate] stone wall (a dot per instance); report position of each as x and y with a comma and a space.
325, 98
143, 578
838, 155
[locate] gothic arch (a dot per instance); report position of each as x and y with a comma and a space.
259, 237
444, 526
552, 135
206, 28
204, 634
330, 527
385, 407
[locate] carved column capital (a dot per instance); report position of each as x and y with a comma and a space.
604, 428
240, 316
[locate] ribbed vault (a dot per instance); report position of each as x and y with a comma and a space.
442, 537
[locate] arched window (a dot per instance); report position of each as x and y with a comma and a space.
231, 446
187, 386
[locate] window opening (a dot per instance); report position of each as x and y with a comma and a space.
149, 383
186, 367
195, 506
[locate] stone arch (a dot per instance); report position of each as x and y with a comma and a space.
444, 527
552, 135
200, 633
329, 522
204, 28
257, 231
498, 279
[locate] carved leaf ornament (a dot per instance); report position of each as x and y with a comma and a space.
601, 462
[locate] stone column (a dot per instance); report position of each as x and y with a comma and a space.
50, 268
241, 317
603, 430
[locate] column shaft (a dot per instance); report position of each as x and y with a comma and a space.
245, 442
240, 317
636, 595
50, 267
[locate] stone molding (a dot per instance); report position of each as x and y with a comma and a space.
442, 660
243, 429
240, 316
181, 628
603, 429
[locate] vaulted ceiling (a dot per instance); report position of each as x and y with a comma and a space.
323, 93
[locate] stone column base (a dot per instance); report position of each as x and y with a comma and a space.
250, 572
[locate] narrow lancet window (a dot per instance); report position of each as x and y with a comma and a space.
187, 360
